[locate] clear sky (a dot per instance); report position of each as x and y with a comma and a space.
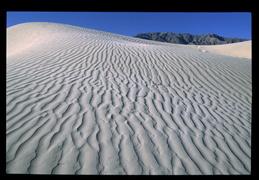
232, 24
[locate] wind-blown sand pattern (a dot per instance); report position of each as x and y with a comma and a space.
81, 101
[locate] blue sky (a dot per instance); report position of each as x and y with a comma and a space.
232, 24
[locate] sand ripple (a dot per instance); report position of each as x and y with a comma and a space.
90, 102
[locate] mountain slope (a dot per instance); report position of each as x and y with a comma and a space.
185, 38
81, 101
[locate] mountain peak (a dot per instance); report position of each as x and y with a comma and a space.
186, 38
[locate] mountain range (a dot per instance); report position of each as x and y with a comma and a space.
186, 38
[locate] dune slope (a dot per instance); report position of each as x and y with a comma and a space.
81, 101
240, 49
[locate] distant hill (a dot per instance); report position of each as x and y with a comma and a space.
186, 38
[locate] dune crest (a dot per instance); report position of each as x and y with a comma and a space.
81, 101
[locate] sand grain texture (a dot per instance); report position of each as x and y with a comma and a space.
81, 101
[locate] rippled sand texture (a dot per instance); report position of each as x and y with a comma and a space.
81, 101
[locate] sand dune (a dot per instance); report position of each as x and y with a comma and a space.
81, 101
240, 49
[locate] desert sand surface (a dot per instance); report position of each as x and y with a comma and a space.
240, 49
81, 101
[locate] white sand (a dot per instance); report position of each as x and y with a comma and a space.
81, 101
240, 49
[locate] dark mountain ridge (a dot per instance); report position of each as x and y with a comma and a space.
186, 38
